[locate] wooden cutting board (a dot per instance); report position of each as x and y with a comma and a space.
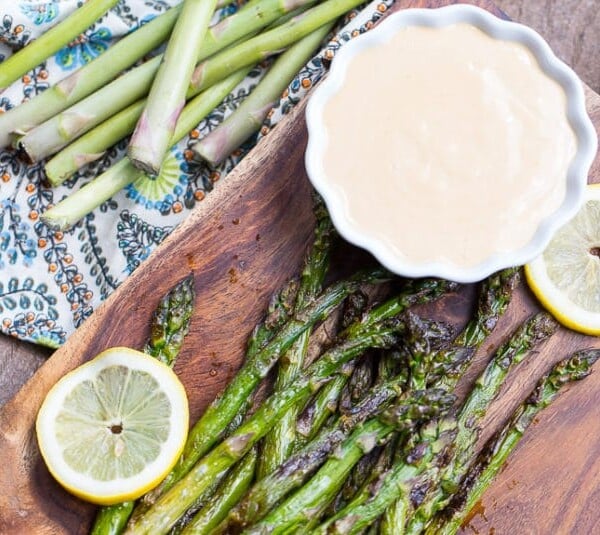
241, 244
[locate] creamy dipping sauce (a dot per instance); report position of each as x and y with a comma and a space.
448, 145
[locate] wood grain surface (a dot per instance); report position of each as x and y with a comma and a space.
260, 221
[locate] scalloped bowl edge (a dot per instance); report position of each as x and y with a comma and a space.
495, 27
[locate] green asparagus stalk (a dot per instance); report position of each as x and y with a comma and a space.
226, 496
92, 145
362, 512
161, 516
522, 343
278, 444
325, 401
378, 328
92, 76
494, 454
433, 439
268, 43
170, 324
267, 492
47, 44
206, 431
248, 118
70, 210
297, 513
494, 298
106, 99
153, 133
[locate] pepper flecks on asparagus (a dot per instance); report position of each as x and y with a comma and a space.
278, 444
539, 328
432, 439
70, 210
403, 477
169, 326
496, 451
225, 497
248, 118
162, 515
50, 42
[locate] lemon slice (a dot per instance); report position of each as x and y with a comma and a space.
566, 276
111, 429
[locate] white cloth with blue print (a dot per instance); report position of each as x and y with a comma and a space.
51, 282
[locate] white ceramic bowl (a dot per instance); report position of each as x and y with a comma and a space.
576, 178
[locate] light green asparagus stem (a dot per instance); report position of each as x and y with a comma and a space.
494, 454
248, 118
153, 133
378, 328
92, 144
70, 210
52, 40
268, 43
225, 497
92, 76
170, 325
109, 98
278, 444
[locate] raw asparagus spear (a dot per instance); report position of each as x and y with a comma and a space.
84, 81
278, 444
52, 41
248, 118
107, 99
494, 454
268, 43
91, 145
401, 478
378, 328
77, 205
154, 130
170, 324
226, 496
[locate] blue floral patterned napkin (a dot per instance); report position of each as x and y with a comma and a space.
50, 282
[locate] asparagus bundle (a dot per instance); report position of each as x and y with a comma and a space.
490, 460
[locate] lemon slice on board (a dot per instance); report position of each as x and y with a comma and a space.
113, 428
566, 276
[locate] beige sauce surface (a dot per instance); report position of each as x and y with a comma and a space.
447, 144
